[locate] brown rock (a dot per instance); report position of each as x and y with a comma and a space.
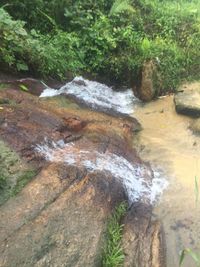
59, 218
143, 240
146, 90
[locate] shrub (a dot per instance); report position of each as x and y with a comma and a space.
110, 38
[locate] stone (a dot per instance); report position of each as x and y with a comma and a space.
195, 126
59, 218
146, 91
187, 102
143, 240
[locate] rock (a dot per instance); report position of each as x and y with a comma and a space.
195, 126
146, 91
143, 240
55, 223
59, 218
188, 102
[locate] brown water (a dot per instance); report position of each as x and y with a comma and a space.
169, 145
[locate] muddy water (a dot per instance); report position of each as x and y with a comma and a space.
169, 145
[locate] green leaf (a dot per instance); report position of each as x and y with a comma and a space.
22, 66
23, 87
182, 256
120, 6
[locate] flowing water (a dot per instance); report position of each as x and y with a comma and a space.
96, 96
168, 144
165, 142
132, 176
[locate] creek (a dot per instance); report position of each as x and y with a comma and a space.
170, 147
168, 144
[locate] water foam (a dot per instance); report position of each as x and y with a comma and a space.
96, 95
133, 177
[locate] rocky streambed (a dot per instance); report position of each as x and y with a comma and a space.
79, 142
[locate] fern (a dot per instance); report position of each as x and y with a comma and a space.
120, 6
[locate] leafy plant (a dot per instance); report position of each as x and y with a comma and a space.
120, 6
189, 252
113, 255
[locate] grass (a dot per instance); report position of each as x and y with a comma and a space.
23, 180
113, 255
188, 251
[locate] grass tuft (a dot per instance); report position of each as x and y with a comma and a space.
113, 255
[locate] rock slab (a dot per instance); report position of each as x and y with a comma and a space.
188, 102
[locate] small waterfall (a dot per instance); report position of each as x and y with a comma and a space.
97, 96
136, 179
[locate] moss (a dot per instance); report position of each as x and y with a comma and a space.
14, 173
23, 179
62, 102
3, 86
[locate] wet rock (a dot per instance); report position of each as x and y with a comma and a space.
146, 91
30, 85
80, 82
86, 164
188, 102
58, 223
143, 240
4, 101
74, 123
195, 126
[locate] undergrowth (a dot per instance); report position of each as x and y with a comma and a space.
106, 38
113, 254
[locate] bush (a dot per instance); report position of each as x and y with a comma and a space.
40, 54
109, 38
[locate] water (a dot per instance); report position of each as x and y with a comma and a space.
167, 142
97, 96
100, 97
133, 177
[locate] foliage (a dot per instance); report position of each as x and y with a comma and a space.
110, 38
191, 253
119, 6
113, 253
46, 55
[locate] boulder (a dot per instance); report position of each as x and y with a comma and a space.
188, 102
139, 232
82, 159
147, 91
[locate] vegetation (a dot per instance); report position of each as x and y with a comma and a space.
14, 174
107, 38
193, 255
113, 255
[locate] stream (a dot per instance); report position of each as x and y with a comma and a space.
165, 141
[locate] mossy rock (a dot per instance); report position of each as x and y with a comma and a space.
14, 173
